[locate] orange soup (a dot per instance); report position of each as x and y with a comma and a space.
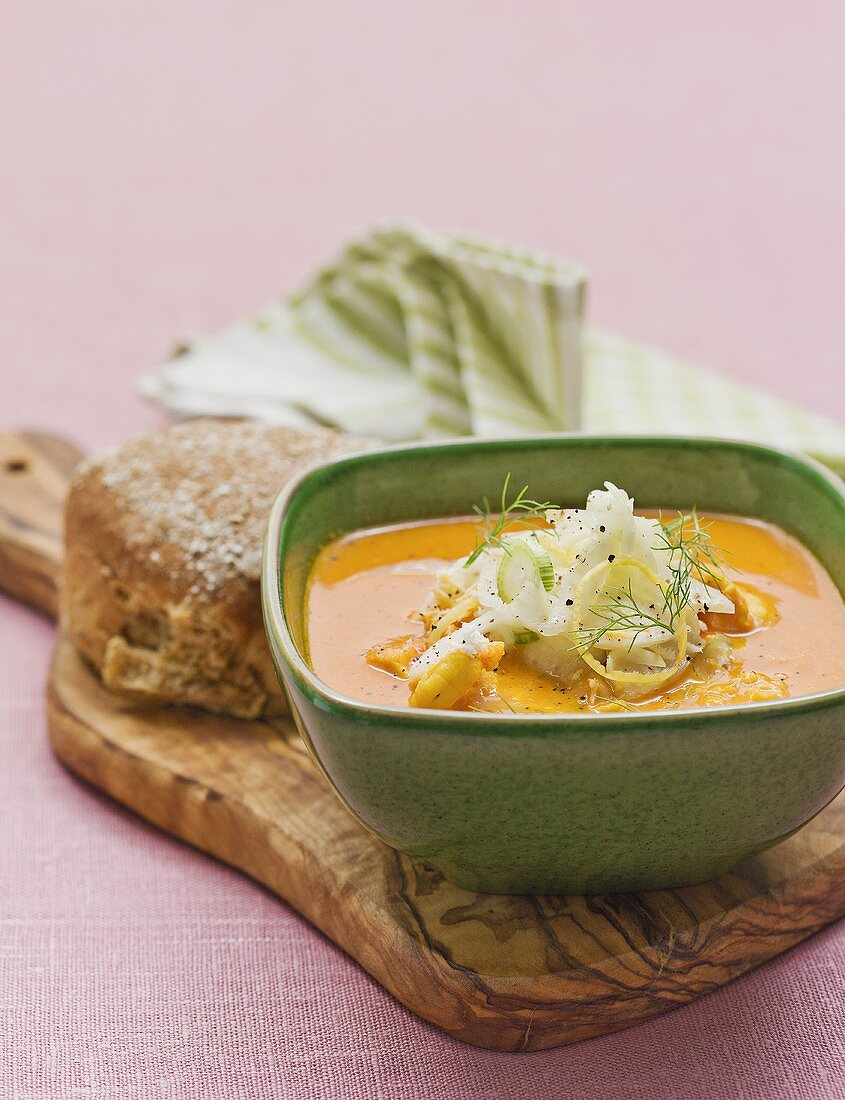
366, 590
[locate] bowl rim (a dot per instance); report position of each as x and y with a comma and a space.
321, 694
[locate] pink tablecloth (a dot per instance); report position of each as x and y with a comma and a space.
166, 166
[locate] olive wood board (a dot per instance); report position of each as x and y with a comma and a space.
503, 972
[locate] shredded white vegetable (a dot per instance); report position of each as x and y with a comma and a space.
620, 602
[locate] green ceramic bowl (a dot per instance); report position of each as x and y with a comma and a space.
577, 803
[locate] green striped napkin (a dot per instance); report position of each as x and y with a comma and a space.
415, 334
408, 334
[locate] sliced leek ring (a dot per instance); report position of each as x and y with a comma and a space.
638, 679
643, 679
521, 564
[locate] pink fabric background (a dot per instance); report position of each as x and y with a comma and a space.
167, 166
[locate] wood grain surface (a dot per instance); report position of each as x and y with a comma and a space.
509, 973
34, 472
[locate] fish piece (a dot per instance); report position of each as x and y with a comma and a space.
445, 683
396, 655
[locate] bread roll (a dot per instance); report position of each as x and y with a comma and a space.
163, 540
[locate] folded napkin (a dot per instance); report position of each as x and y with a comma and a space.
415, 334
409, 334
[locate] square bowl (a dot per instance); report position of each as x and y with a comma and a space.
576, 803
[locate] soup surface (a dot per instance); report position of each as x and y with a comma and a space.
367, 587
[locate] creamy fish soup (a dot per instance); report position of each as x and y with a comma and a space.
536, 609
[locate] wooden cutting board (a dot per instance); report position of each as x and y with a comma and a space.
508, 973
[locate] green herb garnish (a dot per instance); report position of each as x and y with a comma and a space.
495, 710
622, 613
691, 548
692, 556
494, 526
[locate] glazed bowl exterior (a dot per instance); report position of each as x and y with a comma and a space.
570, 803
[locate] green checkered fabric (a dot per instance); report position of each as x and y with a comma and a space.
631, 387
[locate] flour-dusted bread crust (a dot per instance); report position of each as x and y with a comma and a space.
163, 541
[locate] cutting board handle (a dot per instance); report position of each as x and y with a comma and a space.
35, 470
